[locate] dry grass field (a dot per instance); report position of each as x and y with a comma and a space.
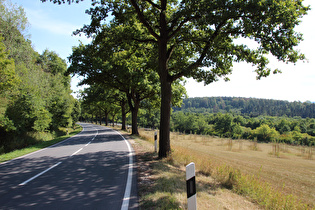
288, 169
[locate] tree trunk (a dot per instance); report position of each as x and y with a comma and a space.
106, 118
134, 104
100, 117
164, 142
134, 125
114, 120
123, 115
166, 92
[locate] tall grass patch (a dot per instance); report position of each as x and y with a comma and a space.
250, 186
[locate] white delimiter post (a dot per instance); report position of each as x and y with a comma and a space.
191, 186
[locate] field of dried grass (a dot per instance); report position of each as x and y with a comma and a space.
288, 169
161, 184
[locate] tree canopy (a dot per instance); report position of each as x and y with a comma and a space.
197, 38
8, 78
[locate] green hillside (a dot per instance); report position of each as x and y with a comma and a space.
248, 106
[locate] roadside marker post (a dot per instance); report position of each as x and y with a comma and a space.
191, 186
155, 142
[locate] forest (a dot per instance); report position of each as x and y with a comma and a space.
249, 106
247, 118
35, 96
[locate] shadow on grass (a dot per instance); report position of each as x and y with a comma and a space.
163, 185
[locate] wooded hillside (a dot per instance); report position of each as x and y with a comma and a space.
35, 94
247, 118
248, 106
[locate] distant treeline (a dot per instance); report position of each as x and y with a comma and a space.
252, 107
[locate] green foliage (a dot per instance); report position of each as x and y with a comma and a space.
27, 112
128, 68
51, 62
248, 106
190, 123
265, 133
35, 93
43, 120
8, 78
76, 112
262, 128
250, 125
224, 123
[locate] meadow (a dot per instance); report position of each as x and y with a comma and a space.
276, 176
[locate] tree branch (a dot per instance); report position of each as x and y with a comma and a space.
143, 20
144, 40
170, 51
180, 25
153, 4
202, 55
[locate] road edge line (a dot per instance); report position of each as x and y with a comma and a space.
126, 199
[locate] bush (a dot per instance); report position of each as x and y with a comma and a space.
265, 133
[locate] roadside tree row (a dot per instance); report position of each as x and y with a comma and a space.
195, 39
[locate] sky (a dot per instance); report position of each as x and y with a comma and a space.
51, 28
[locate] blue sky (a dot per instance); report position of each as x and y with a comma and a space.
51, 28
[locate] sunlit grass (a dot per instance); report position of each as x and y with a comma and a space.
252, 185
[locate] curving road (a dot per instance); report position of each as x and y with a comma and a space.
92, 170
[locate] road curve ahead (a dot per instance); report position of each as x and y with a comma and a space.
92, 170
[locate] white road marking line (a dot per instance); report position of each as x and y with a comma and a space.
125, 204
34, 177
41, 173
76, 152
92, 138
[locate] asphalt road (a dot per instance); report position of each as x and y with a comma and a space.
92, 170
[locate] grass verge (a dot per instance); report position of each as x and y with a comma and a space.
40, 145
250, 186
162, 184
213, 178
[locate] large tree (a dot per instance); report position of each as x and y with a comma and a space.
115, 66
204, 31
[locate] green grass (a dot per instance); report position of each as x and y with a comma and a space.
40, 145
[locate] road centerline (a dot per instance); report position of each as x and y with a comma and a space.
76, 152
41, 173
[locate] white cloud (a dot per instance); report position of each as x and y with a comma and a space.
39, 19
